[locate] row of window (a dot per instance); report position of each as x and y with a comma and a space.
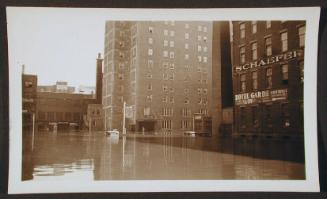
59, 116
171, 99
283, 69
169, 112
268, 45
249, 117
171, 33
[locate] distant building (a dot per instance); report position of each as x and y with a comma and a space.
58, 106
64, 110
268, 61
161, 69
29, 96
59, 87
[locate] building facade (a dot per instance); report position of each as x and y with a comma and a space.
268, 61
29, 96
161, 69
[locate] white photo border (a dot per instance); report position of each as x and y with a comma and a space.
310, 184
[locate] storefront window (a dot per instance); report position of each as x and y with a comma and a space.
268, 77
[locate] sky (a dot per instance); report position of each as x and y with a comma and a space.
56, 44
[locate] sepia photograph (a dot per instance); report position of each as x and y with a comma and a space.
127, 99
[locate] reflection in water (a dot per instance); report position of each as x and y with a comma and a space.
95, 156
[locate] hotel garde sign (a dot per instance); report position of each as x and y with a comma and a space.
269, 60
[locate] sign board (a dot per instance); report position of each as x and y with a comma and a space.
270, 60
260, 96
128, 112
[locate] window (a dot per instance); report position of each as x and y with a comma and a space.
205, 49
171, 89
166, 124
283, 38
172, 33
171, 55
184, 124
165, 53
255, 80
186, 56
254, 51
149, 98
165, 76
171, 76
199, 28
121, 44
268, 24
255, 120
301, 36
205, 29
199, 91
165, 43
186, 46
187, 25
149, 75
285, 115
167, 112
165, 99
150, 52
242, 30
166, 32
187, 35
150, 63
254, 27
205, 91
172, 23
268, 46
199, 58
150, 29
165, 64
242, 54
146, 111
186, 101
165, 88
205, 39
150, 40
171, 43
243, 82
268, 78
284, 70
205, 59
172, 66
199, 37
120, 76
171, 99
199, 48
186, 112
28, 84
149, 86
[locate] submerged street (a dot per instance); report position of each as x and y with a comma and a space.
95, 156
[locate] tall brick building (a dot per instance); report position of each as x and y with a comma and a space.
162, 69
268, 61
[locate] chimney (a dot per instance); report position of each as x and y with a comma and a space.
99, 79
23, 69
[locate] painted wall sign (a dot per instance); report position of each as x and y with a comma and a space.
270, 60
260, 96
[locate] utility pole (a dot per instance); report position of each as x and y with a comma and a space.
124, 128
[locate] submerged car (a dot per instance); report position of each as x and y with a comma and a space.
114, 132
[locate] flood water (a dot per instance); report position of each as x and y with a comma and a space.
96, 156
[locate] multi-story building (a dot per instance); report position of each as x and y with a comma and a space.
268, 61
162, 69
29, 85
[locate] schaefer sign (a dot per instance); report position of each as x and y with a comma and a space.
260, 96
270, 60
